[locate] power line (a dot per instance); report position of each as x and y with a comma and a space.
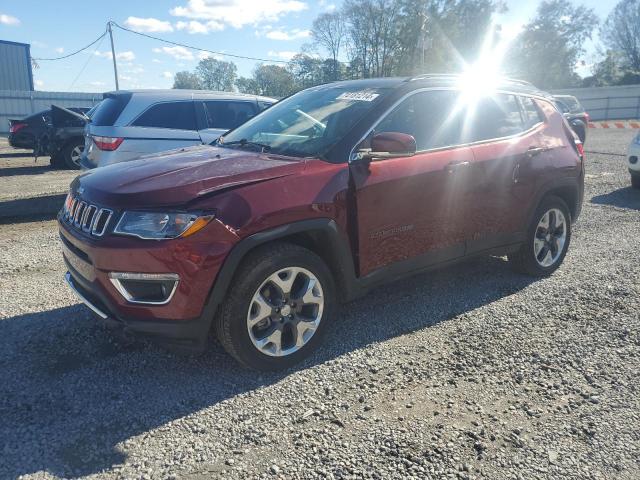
87, 62
74, 53
198, 48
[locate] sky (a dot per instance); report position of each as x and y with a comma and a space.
268, 29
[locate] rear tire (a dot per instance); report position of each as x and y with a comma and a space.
635, 181
548, 238
71, 154
57, 161
264, 326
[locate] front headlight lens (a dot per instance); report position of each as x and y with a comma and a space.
159, 226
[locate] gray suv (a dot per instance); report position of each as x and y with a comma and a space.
130, 123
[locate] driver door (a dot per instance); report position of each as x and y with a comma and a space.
409, 209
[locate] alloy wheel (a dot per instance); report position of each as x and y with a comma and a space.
550, 237
76, 153
285, 311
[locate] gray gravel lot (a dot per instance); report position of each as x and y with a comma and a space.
471, 372
23, 177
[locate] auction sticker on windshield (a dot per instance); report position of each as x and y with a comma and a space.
360, 96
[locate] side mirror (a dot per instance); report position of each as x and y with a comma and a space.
389, 145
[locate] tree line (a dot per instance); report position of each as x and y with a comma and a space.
378, 38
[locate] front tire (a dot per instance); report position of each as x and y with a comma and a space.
548, 239
277, 308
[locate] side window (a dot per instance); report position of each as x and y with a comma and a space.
176, 115
263, 105
496, 116
532, 114
228, 115
431, 117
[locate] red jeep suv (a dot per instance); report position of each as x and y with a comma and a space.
327, 194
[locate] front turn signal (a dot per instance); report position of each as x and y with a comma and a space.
197, 225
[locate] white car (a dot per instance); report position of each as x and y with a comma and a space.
633, 158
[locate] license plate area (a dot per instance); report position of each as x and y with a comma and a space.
79, 265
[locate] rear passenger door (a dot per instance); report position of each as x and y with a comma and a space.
504, 130
163, 126
223, 115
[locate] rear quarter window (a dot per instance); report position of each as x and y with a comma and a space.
174, 115
109, 109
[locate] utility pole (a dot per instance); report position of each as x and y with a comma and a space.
113, 55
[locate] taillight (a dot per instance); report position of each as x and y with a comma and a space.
587, 117
108, 143
580, 148
16, 127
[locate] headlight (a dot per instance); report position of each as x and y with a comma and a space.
160, 226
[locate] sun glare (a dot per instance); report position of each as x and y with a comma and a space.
482, 77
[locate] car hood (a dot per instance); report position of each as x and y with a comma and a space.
177, 177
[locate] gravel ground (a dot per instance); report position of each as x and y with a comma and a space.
23, 177
471, 372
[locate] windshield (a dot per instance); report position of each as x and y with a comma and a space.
307, 124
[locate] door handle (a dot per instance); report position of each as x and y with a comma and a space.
453, 166
533, 151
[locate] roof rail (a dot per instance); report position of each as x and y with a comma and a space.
425, 76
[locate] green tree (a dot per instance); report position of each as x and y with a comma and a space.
274, 81
217, 74
443, 35
307, 71
605, 72
549, 47
187, 80
329, 30
247, 85
621, 32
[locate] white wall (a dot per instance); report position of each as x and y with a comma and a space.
16, 104
608, 103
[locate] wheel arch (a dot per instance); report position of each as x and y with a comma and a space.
569, 190
321, 236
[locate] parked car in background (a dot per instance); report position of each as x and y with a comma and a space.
65, 137
575, 114
329, 193
633, 158
132, 123
27, 132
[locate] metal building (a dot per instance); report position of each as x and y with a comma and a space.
15, 66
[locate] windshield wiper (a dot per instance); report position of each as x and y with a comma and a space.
243, 142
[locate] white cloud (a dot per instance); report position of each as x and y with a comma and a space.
177, 52
37, 44
125, 78
203, 55
148, 24
127, 56
155, 60
97, 83
291, 35
8, 20
283, 55
59, 50
329, 7
167, 75
193, 26
39, 83
238, 13
133, 69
